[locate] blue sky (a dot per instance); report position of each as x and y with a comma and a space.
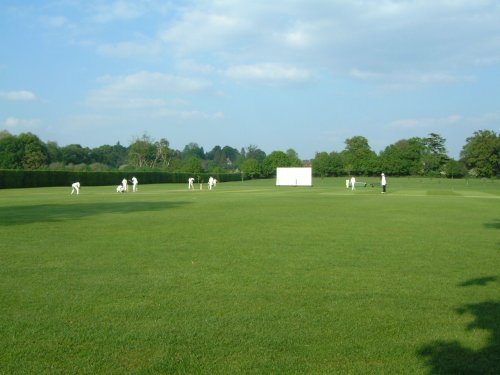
301, 74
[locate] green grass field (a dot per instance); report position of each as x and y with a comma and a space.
250, 278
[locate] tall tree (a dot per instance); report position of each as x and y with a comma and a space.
293, 158
336, 163
403, 158
192, 149
34, 151
142, 152
75, 154
358, 157
25, 151
481, 153
163, 155
231, 152
434, 157
217, 155
54, 152
10, 152
322, 164
192, 165
274, 160
251, 167
253, 152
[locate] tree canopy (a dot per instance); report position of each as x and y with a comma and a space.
426, 156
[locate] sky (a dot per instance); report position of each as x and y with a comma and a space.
296, 74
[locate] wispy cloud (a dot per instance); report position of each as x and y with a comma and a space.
117, 10
18, 95
426, 123
199, 31
54, 22
364, 75
269, 73
151, 95
143, 89
133, 49
19, 124
391, 38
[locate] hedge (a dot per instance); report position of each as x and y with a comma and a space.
28, 178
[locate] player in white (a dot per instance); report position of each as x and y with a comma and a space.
353, 183
125, 185
135, 182
214, 182
75, 187
191, 183
210, 183
120, 189
383, 183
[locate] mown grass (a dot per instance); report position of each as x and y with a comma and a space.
251, 278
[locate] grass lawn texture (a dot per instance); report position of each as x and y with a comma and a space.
250, 278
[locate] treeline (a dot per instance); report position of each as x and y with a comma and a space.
480, 157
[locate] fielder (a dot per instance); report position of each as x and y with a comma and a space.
75, 187
353, 183
135, 182
125, 185
191, 183
120, 189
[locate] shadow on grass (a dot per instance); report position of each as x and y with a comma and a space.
480, 281
59, 212
493, 225
453, 358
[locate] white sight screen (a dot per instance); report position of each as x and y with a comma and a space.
293, 176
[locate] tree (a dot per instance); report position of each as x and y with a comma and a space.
192, 165
274, 160
454, 168
336, 163
4, 134
75, 154
192, 149
10, 152
142, 152
322, 164
482, 153
112, 156
218, 156
358, 157
163, 153
293, 158
253, 152
34, 151
402, 158
251, 167
434, 156
231, 154
54, 152
25, 151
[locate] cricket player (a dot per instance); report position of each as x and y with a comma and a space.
75, 187
135, 182
191, 183
125, 185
